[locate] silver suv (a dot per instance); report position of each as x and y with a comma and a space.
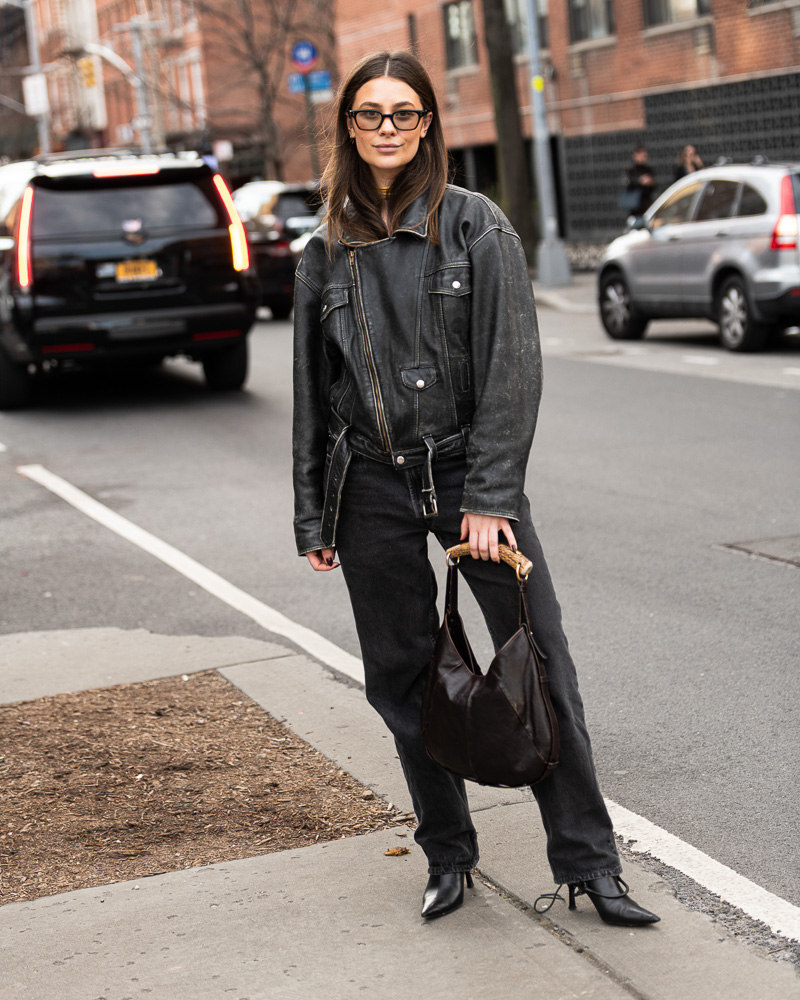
722, 244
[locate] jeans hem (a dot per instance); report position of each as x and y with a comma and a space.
563, 879
451, 870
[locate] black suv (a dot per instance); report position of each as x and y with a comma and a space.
114, 254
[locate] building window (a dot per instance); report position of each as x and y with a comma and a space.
591, 19
674, 11
459, 32
517, 17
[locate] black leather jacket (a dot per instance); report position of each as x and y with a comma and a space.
405, 351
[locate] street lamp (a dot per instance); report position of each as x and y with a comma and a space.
552, 265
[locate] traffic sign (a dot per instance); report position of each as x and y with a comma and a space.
317, 82
34, 90
304, 55
320, 79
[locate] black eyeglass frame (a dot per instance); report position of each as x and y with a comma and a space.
400, 111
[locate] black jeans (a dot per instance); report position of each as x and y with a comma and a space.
382, 544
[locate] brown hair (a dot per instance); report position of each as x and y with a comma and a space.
354, 202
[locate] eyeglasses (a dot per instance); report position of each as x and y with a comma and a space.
404, 121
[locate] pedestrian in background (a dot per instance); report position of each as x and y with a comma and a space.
417, 381
640, 183
687, 162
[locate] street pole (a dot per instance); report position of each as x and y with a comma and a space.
142, 106
43, 119
311, 125
552, 265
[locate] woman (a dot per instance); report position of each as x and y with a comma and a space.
417, 383
687, 162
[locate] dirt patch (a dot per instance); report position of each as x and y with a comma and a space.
139, 779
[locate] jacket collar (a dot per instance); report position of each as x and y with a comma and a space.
414, 221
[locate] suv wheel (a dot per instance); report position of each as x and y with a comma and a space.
227, 369
738, 330
616, 312
15, 384
281, 309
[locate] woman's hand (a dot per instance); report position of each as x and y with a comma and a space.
322, 560
482, 531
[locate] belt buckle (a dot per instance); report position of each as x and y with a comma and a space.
429, 502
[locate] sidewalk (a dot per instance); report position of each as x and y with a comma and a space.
339, 920
580, 296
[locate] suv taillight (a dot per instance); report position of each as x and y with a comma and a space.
241, 255
784, 235
24, 239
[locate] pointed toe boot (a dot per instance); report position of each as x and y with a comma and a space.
611, 900
444, 893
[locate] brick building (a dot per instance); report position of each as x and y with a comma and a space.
721, 74
209, 69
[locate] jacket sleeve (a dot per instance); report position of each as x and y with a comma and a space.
313, 377
506, 373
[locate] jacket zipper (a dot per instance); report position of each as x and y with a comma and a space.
370, 362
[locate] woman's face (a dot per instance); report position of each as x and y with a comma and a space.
387, 149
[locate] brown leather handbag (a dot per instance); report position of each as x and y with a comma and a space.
497, 728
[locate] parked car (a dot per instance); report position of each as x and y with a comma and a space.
721, 243
113, 254
275, 215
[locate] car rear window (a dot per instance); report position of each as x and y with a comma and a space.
751, 203
115, 208
717, 201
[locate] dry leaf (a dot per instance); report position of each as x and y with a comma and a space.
396, 852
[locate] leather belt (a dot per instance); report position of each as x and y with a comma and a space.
429, 506
344, 447
337, 471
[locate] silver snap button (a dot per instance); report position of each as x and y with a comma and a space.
456, 284
400, 460
420, 383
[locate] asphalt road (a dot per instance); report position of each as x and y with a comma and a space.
641, 474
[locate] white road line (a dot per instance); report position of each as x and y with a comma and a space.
268, 618
790, 371
779, 915
699, 359
3, 447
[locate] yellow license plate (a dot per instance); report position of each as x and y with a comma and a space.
137, 270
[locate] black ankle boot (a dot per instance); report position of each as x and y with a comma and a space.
444, 893
610, 897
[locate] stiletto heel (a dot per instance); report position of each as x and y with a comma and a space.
572, 905
444, 893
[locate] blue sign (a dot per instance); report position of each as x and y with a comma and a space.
320, 79
304, 55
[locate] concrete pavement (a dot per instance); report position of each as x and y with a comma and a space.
580, 296
339, 920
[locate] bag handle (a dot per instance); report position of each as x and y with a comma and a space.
516, 560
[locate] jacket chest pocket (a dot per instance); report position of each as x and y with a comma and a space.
332, 313
450, 292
